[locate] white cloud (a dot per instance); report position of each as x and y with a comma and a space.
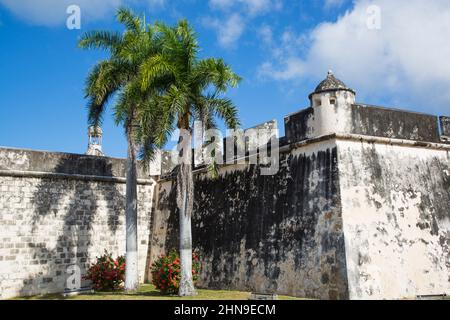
293, 67
251, 7
407, 59
266, 34
53, 12
287, 65
229, 31
334, 3
156, 3
238, 14
222, 4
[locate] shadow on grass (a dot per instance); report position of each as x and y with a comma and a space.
146, 292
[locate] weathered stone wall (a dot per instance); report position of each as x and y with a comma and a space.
297, 125
396, 215
279, 233
330, 113
346, 217
363, 120
445, 126
392, 123
59, 210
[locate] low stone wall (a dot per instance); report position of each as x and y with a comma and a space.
58, 210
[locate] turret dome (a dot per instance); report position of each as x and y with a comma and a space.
331, 83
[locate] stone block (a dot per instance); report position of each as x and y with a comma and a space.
445, 126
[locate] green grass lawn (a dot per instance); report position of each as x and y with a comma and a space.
148, 292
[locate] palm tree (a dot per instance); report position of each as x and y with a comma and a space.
194, 92
120, 77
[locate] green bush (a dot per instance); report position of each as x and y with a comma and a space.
166, 272
107, 274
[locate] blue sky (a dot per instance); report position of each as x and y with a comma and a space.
281, 48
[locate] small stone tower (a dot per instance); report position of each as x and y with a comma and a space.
332, 101
95, 135
331, 90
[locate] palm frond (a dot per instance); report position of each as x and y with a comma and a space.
189, 42
96, 111
150, 128
175, 100
155, 68
130, 20
105, 40
224, 109
175, 47
106, 78
122, 108
214, 72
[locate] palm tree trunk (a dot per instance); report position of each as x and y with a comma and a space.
185, 203
131, 268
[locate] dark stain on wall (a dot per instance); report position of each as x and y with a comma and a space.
296, 127
436, 201
429, 180
410, 190
243, 221
397, 124
445, 126
64, 163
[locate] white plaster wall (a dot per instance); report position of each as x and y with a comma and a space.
396, 216
331, 118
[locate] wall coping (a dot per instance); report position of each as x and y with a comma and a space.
343, 137
61, 153
367, 139
18, 162
79, 177
360, 104
282, 149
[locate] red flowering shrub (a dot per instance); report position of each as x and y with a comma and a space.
107, 274
166, 272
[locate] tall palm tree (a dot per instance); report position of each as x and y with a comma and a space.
120, 77
195, 92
